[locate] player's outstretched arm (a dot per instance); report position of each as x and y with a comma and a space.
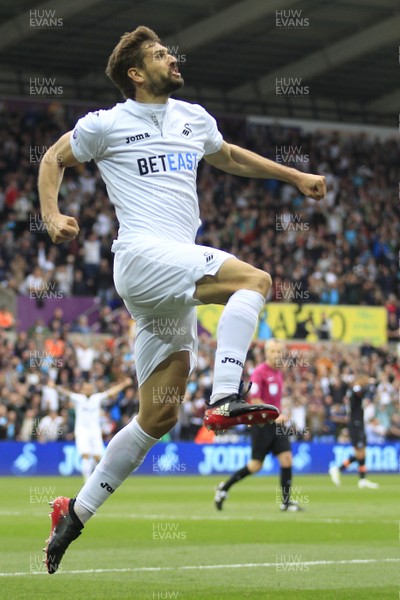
238, 161
61, 228
115, 389
64, 391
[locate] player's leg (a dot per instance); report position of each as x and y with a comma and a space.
363, 481
162, 394
221, 493
243, 290
125, 453
261, 440
128, 448
96, 447
232, 276
94, 461
283, 451
86, 466
82, 443
155, 281
285, 463
335, 471
347, 462
360, 458
160, 274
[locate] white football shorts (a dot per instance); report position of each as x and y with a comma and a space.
156, 280
89, 441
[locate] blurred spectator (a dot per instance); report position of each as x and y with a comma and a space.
344, 436
393, 433
91, 259
79, 285
192, 411
3, 421
104, 287
82, 325
56, 323
34, 284
64, 278
29, 425
12, 425
384, 391
50, 427
7, 320
298, 413
393, 327
85, 356
49, 397
54, 346
324, 329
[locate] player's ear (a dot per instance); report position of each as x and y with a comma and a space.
136, 75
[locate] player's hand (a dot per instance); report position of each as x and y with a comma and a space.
61, 228
312, 186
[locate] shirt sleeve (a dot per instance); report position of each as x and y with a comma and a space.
213, 139
101, 397
87, 138
75, 398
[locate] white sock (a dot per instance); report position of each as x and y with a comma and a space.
234, 333
124, 454
86, 467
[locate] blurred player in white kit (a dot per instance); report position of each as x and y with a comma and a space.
88, 436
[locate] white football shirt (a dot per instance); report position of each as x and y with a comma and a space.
87, 410
147, 155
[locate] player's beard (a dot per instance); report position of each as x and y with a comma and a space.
165, 85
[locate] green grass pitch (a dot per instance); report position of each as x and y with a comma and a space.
161, 537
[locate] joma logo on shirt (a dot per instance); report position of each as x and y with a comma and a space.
136, 138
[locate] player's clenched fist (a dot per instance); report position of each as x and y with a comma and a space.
313, 186
61, 228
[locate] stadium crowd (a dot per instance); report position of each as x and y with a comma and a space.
342, 250
315, 403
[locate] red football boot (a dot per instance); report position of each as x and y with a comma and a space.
65, 528
234, 410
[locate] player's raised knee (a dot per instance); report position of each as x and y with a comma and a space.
261, 282
159, 422
168, 421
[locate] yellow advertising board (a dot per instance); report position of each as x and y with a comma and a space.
348, 324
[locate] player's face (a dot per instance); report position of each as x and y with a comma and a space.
161, 73
87, 389
273, 354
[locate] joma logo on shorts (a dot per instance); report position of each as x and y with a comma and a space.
234, 361
107, 487
135, 138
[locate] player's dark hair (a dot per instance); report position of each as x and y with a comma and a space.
126, 54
